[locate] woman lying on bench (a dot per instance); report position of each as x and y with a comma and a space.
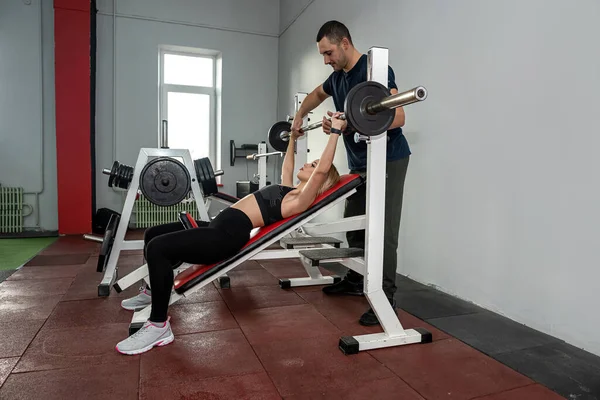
224, 236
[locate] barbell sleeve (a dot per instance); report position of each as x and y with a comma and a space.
106, 171
255, 156
219, 172
398, 100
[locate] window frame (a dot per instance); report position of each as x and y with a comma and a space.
166, 88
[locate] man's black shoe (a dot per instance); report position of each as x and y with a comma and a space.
345, 287
369, 318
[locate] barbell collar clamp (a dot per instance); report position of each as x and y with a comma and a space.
361, 138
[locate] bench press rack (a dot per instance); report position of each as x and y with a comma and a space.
367, 262
120, 244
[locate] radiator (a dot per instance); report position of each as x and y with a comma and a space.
148, 214
11, 209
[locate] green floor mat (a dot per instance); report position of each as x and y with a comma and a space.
16, 252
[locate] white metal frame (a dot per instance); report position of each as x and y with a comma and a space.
302, 142
371, 267
262, 165
119, 243
166, 88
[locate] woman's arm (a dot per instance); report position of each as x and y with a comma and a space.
319, 175
287, 169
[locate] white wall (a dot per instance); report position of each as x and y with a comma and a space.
27, 128
289, 10
501, 200
246, 35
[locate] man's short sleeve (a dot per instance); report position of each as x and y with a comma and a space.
391, 79
327, 86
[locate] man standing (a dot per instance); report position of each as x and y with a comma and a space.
349, 69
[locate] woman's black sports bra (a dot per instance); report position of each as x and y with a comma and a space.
269, 200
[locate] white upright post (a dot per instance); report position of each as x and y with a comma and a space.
262, 165
302, 142
375, 208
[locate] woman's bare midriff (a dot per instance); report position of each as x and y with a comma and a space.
249, 205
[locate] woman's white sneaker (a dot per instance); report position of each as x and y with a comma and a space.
146, 338
139, 302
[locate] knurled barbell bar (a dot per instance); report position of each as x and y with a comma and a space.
368, 109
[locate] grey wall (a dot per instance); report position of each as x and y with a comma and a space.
501, 200
246, 33
27, 131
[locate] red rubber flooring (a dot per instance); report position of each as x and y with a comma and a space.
253, 341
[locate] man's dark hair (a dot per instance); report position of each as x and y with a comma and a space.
335, 32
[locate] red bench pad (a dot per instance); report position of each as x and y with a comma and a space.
197, 273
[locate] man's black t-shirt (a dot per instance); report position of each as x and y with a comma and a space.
337, 85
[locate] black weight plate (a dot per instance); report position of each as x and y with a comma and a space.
198, 169
122, 179
107, 242
357, 100
165, 181
113, 174
200, 174
209, 184
130, 177
231, 153
275, 135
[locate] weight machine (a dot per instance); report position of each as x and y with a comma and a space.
165, 177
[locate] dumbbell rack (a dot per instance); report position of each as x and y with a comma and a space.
119, 243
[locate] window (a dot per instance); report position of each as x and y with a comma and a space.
188, 91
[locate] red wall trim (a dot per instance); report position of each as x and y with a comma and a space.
72, 87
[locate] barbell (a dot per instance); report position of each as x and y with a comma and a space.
165, 181
368, 110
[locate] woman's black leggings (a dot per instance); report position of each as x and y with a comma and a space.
169, 244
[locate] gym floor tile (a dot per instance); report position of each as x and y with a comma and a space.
250, 386
247, 298
381, 389
284, 270
204, 317
427, 304
531, 392
301, 366
283, 323
404, 284
47, 272
248, 265
569, 371
88, 313
35, 287
345, 311
198, 356
15, 336
254, 277
5, 274
85, 287
449, 369
58, 259
73, 347
304, 289
491, 333
205, 293
73, 244
6, 366
20, 308
135, 234
108, 381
